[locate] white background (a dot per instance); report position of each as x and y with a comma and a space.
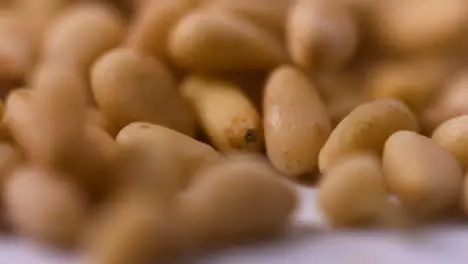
309, 243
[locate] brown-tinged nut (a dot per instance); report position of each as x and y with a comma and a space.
360, 6
130, 8
296, 121
453, 136
129, 87
42, 205
366, 128
246, 191
425, 177
96, 163
216, 41
6, 4
321, 34
96, 117
252, 83
163, 159
4, 130
16, 51
225, 113
81, 33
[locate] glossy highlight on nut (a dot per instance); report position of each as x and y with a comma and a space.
296, 121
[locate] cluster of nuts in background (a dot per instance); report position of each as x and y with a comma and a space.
135, 130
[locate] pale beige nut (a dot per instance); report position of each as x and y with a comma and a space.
425, 177
81, 33
226, 114
453, 136
48, 121
296, 121
366, 128
150, 31
164, 160
243, 190
354, 191
217, 41
450, 103
42, 205
410, 27
414, 83
87, 153
58, 112
130, 229
321, 34
40, 14
129, 87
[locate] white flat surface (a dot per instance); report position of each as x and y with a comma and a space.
309, 243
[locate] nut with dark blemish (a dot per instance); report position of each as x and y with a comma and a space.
250, 136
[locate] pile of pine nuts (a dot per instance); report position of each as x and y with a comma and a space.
136, 130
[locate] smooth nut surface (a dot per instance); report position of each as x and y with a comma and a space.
150, 30
220, 41
58, 110
321, 34
82, 33
366, 128
424, 176
414, 83
129, 87
129, 229
354, 191
164, 159
44, 206
450, 102
238, 190
296, 121
453, 136
427, 27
